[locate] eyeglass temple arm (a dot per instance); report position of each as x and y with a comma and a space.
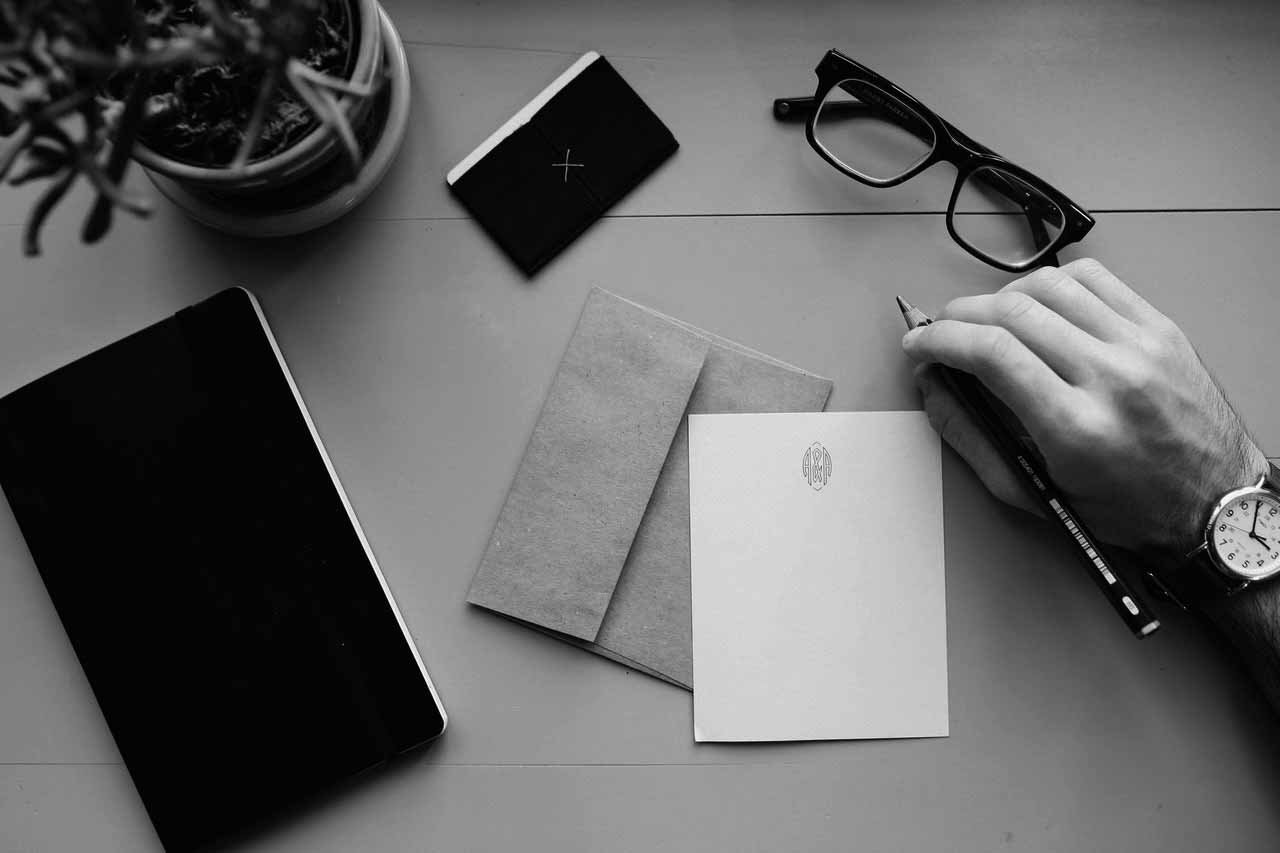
794, 109
799, 109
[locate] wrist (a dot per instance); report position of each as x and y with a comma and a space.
1192, 570
1250, 620
1249, 613
1239, 467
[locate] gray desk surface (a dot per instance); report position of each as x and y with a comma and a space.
424, 357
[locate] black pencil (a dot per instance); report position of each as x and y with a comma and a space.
970, 392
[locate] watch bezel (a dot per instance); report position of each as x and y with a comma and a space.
1223, 568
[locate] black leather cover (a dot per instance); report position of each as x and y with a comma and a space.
209, 577
534, 208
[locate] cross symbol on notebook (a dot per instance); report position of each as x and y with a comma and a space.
566, 164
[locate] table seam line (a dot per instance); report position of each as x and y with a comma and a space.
804, 214
473, 764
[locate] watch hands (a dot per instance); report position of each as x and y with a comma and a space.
1253, 531
1249, 533
1253, 534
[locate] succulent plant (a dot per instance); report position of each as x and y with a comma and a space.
82, 81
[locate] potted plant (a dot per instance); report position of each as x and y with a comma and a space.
260, 117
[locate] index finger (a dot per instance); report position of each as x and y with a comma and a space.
1001, 362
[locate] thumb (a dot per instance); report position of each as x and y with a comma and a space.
958, 428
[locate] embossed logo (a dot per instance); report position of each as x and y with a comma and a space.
816, 466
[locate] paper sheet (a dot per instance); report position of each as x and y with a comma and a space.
819, 605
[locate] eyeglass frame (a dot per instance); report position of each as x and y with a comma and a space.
950, 145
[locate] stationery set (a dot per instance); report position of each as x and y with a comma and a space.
684, 507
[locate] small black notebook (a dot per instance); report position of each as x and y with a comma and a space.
210, 572
572, 152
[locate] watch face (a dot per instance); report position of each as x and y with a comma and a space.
1245, 535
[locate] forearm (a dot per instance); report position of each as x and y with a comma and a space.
1130, 422
1251, 621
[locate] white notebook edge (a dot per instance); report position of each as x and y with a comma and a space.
522, 117
346, 503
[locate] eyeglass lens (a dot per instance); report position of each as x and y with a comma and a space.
871, 132
1005, 217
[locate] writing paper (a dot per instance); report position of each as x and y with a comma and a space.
818, 590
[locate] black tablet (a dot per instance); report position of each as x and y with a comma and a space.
210, 572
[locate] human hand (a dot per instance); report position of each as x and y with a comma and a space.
1131, 425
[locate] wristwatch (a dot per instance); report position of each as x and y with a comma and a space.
1241, 547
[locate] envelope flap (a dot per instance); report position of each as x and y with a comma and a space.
649, 622
576, 502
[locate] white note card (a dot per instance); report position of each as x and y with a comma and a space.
819, 599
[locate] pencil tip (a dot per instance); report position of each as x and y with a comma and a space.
903, 304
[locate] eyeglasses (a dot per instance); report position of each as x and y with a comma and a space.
876, 133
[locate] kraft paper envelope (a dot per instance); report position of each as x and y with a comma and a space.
592, 544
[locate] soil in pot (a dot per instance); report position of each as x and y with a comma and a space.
312, 187
198, 116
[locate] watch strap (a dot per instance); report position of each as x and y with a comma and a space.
1195, 579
